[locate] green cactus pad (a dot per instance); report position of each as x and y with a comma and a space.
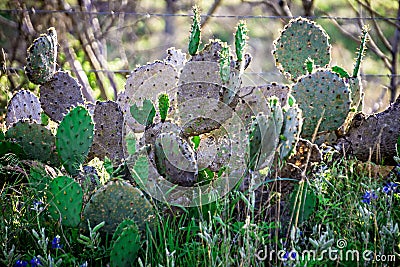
145, 114
65, 198
176, 58
322, 93
300, 40
303, 202
124, 224
224, 63
107, 141
11, 147
74, 138
147, 82
163, 106
291, 131
115, 202
42, 57
60, 94
195, 33
263, 138
240, 39
36, 140
125, 247
24, 105
175, 159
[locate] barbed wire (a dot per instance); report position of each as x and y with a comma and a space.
144, 14
261, 73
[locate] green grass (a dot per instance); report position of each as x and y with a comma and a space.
230, 232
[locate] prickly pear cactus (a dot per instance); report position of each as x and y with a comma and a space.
254, 99
24, 105
240, 40
42, 57
303, 202
65, 199
175, 159
115, 202
163, 106
195, 33
74, 138
107, 141
144, 114
214, 150
60, 94
36, 140
176, 58
125, 247
147, 82
299, 41
322, 94
263, 139
291, 129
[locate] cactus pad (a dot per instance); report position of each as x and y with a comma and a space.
322, 93
23, 105
42, 57
145, 114
125, 247
263, 139
176, 58
74, 138
194, 38
300, 40
36, 140
108, 123
59, 95
115, 202
214, 150
65, 197
147, 82
175, 159
291, 131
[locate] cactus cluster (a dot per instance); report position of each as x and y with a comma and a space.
176, 120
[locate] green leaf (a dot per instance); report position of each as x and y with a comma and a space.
225, 63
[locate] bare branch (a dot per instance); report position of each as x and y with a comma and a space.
378, 29
210, 11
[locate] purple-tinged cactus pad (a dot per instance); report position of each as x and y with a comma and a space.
24, 105
60, 94
107, 140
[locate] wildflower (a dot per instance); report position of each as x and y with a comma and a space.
391, 187
55, 244
290, 255
37, 205
368, 196
35, 262
20, 263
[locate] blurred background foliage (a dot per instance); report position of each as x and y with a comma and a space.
101, 41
